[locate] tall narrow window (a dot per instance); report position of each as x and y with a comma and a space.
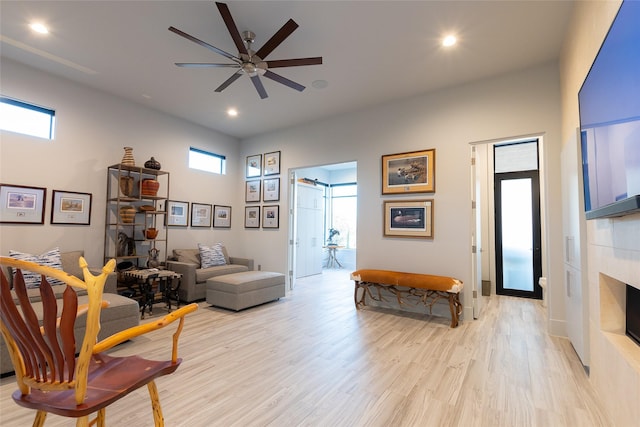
27, 119
206, 161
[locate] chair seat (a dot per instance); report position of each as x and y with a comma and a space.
110, 378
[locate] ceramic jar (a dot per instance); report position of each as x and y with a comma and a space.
127, 214
126, 185
152, 164
149, 187
128, 157
151, 233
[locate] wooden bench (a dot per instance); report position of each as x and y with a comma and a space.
425, 288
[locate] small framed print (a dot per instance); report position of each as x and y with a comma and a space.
177, 213
252, 217
272, 163
200, 215
412, 172
409, 218
252, 191
70, 207
254, 166
22, 205
271, 189
270, 216
221, 216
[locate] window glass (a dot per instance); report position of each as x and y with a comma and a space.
27, 119
206, 161
516, 157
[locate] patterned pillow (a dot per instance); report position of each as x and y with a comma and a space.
50, 258
211, 256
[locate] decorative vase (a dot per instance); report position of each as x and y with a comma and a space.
126, 185
153, 261
127, 214
152, 164
128, 157
151, 233
149, 187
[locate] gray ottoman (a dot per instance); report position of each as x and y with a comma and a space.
246, 289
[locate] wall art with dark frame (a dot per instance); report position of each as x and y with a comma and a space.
201, 214
252, 217
20, 204
177, 213
254, 166
412, 172
252, 191
221, 216
271, 216
408, 218
271, 163
271, 189
71, 207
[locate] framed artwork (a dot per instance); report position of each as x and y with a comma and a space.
221, 216
412, 172
409, 218
252, 216
252, 191
272, 163
270, 216
70, 207
22, 205
200, 215
254, 166
271, 189
177, 213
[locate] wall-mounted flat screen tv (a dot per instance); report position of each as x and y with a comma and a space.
609, 103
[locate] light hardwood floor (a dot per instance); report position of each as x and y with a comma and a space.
311, 359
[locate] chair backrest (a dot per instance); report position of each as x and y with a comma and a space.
40, 336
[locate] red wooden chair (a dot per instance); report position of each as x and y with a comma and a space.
50, 377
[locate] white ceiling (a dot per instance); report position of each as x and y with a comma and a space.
373, 51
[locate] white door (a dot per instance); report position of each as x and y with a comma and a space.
308, 242
476, 235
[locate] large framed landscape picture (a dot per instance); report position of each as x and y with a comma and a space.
412, 172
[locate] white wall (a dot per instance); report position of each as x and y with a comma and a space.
511, 105
92, 127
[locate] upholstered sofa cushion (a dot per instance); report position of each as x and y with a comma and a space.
202, 274
211, 256
193, 256
49, 258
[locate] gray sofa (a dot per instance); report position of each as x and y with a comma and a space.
122, 312
193, 286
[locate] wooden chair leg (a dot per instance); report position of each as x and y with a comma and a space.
155, 404
82, 421
101, 418
40, 418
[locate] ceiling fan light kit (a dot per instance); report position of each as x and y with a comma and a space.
250, 62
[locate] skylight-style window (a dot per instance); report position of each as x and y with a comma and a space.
27, 119
206, 161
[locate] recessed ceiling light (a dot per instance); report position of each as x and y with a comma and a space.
232, 112
39, 28
449, 41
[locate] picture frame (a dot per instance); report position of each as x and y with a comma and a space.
271, 216
271, 163
71, 207
411, 172
252, 217
271, 190
252, 191
201, 214
20, 204
221, 216
254, 166
177, 214
408, 218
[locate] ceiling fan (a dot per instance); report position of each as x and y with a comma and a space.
248, 61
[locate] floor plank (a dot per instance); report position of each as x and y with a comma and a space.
312, 359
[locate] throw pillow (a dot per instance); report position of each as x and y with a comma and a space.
211, 256
50, 258
187, 255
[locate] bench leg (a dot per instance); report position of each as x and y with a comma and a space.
455, 308
359, 302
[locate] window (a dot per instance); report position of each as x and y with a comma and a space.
206, 161
27, 119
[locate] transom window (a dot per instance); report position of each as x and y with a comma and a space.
206, 161
27, 119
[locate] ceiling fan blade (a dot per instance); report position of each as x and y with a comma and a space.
204, 65
230, 80
289, 27
205, 44
294, 62
278, 78
258, 84
231, 26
